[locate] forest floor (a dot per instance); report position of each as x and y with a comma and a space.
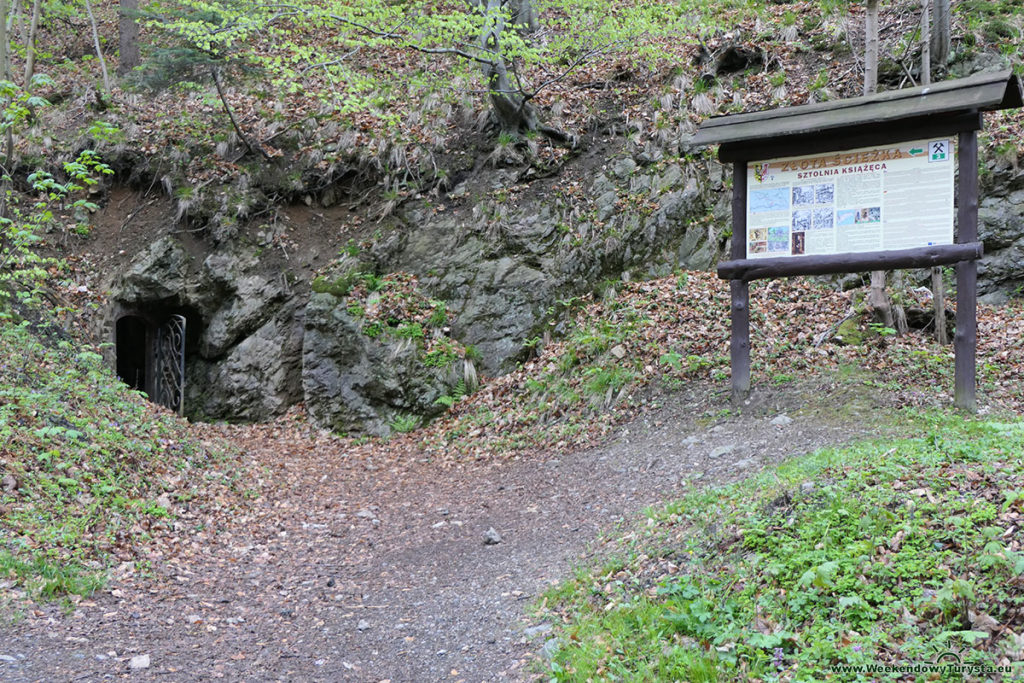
368, 565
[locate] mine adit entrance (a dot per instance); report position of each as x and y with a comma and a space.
151, 345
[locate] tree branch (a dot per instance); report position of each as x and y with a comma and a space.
227, 109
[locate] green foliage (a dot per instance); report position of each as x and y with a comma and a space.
998, 30
820, 81
205, 35
881, 330
449, 400
606, 381
200, 34
472, 353
404, 423
343, 284
880, 553
409, 331
89, 456
439, 316
442, 354
23, 272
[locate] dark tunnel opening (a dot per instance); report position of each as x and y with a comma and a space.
132, 343
151, 350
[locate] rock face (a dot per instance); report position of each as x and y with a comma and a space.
244, 342
259, 343
353, 381
1001, 229
502, 269
257, 378
257, 346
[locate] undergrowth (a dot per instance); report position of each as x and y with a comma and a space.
90, 470
851, 564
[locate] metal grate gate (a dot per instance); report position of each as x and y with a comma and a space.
170, 364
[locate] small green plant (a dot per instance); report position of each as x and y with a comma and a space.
409, 331
532, 346
602, 381
403, 424
351, 248
449, 400
374, 283
439, 316
442, 354
472, 353
820, 81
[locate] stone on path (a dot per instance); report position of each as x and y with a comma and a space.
492, 537
139, 662
782, 420
720, 451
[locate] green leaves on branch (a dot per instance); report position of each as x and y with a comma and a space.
23, 272
346, 51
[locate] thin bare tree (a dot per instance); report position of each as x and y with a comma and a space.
96, 43
941, 35
30, 41
938, 285
5, 66
878, 299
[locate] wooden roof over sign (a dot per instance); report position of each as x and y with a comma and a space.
944, 101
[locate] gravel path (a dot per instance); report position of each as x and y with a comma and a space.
380, 571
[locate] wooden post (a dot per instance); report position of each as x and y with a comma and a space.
739, 347
965, 341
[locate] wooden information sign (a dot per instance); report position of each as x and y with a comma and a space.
857, 185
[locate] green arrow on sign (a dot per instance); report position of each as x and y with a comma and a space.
916, 152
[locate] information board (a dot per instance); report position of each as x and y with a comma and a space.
871, 199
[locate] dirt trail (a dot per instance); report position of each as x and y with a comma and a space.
375, 571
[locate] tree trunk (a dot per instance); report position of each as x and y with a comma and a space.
899, 314
938, 286
15, 15
510, 107
871, 48
5, 66
128, 38
96, 43
524, 15
877, 297
941, 36
939, 301
5, 73
511, 110
30, 42
926, 52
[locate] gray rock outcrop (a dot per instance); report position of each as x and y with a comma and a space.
353, 381
260, 343
1001, 229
